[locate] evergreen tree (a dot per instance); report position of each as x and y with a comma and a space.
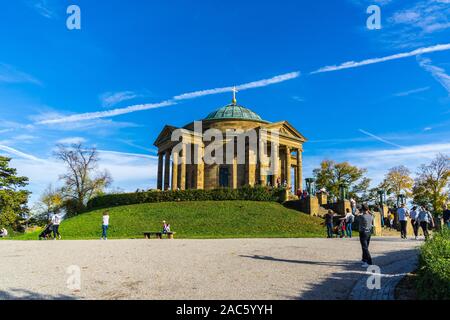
13, 200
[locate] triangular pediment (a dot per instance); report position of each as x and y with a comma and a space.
165, 133
286, 129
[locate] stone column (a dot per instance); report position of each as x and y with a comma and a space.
199, 165
183, 161
251, 167
167, 170
160, 171
288, 167
299, 172
234, 174
175, 161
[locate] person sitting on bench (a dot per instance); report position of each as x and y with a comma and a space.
166, 227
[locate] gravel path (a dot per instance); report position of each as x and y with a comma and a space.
193, 269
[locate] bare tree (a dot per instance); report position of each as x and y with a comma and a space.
83, 180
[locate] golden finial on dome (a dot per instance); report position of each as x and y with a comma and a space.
234, 90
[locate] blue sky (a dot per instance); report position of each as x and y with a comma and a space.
390, 106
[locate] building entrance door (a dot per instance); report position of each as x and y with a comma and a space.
223, 177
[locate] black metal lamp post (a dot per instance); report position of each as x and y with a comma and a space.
401, 199
343, 191
382, 196
310, 185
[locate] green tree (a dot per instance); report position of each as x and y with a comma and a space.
331, 175
13, 200
432, 183
50, 201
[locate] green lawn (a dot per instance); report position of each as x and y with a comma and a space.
194, 220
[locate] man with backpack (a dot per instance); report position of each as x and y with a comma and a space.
424, 218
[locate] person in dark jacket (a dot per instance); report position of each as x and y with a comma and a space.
329, 223
446, 216
365, 232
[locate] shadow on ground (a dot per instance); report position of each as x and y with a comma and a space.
23, 294
339, 285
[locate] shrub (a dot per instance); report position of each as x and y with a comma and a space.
434, 268
258, 193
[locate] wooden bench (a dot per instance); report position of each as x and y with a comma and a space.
158, 235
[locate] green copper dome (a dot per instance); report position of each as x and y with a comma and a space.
233, 111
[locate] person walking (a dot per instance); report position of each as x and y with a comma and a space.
329, 223
446, 216
349, 219
425, 219
413, 215
56, 221
403, 219
365, 232
105, 225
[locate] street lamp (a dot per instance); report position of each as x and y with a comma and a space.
382, 196
401, 199
343, 191
310, 185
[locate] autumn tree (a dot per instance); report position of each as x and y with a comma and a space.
398, 181
13, 199
331, 175
83, 180
432, 183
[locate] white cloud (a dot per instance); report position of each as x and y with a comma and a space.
250, 85
438, 73
71, 140
42, 7
190, 95
353, 64
9, 74
110, 99
424, 17
298, 99
424, 151
379, 161
105, 114
129, 171
379, 138
15, 152
410, 92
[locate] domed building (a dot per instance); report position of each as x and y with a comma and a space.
185, 165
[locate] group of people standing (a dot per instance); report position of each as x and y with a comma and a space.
344, 228
420, 217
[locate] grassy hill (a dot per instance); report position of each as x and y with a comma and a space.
200, 219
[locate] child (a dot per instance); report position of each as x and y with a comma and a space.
391, 221
105, 225
341, 229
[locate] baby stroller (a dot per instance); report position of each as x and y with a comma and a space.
46, 233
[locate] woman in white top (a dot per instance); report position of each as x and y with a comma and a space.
105, 225
3, 233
